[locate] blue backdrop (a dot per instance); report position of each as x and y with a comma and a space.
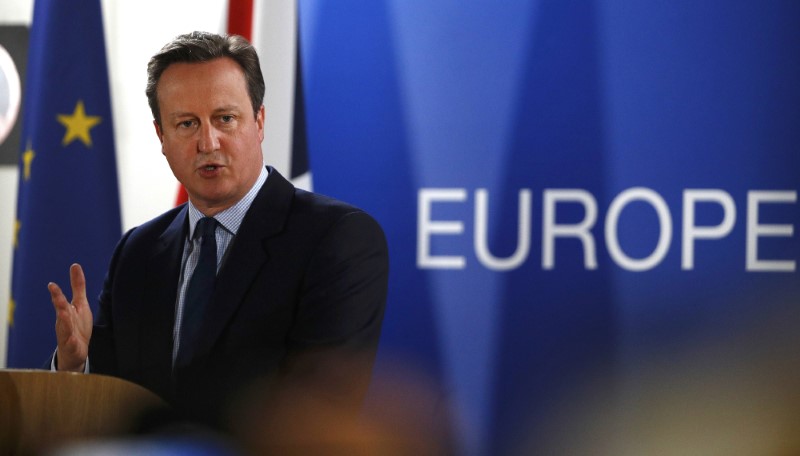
587, 203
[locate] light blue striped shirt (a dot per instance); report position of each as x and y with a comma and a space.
228, 222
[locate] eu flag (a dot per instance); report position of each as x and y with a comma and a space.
68, 204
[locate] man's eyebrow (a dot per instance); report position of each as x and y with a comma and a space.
177, 114
227, 108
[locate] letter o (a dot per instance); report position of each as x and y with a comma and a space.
665, 223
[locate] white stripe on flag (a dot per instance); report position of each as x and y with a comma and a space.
274, 30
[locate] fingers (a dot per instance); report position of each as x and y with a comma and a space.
65, 310
64, 326
57, 296
78, 283
73, 321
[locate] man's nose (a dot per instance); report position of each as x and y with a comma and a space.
208, 140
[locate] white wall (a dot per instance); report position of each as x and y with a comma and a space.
11, 12
134, 31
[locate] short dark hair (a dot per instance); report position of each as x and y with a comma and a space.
203, 47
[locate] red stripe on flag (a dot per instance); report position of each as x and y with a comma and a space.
240, 22
240, 18
182, 195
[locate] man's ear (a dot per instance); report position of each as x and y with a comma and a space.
260, 115
159, 133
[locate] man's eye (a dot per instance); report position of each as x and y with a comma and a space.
227, 118
186, 124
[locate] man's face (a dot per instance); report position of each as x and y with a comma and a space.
209, 134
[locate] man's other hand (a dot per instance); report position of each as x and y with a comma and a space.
73, 322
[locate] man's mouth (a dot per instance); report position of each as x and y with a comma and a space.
209, 170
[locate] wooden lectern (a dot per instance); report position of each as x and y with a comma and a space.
40, 409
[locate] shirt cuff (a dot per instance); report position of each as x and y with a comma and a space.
53, 363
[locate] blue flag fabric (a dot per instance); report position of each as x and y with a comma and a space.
299, 160
68, 204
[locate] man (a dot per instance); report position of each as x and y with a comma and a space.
301, 279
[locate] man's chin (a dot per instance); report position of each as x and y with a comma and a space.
214, 201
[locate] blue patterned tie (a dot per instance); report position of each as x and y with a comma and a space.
200, 290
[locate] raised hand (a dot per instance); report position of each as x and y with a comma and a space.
73, 322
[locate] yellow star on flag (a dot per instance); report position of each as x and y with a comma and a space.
78, 125
27, 158
17, 226
11, 306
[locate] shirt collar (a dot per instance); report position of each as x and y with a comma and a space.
231, 218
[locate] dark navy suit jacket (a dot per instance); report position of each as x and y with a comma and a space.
299, 299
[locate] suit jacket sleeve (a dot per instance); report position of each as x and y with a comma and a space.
102, 359
332, 345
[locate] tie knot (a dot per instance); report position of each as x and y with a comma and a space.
205, 226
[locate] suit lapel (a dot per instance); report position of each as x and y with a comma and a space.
247, 256
163, 271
